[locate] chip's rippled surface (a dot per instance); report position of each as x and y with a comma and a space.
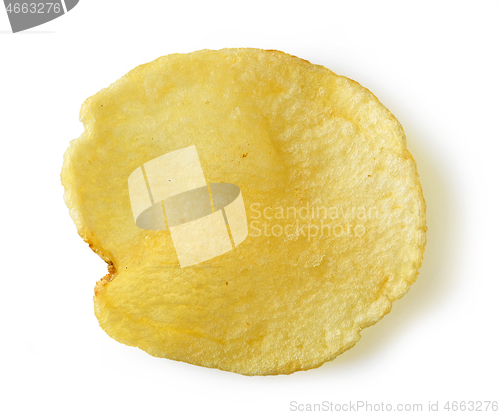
334, 207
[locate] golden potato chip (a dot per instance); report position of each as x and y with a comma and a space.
256, 211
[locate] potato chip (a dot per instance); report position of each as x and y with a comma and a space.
256, 211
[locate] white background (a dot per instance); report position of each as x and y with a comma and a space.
434, 64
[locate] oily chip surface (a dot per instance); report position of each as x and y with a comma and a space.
334, 209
